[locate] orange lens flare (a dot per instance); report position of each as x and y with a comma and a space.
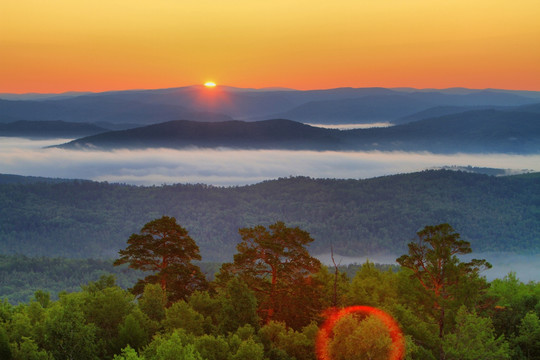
397, 351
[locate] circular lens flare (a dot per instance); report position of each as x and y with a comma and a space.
397, 351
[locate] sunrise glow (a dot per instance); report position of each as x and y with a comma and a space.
65, 45
210, 84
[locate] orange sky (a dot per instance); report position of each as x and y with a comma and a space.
98, 45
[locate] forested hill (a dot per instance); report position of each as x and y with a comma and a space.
477, 131
274, 134
359, 217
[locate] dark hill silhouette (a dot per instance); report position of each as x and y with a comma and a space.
438, 111
266, 134
47, 129
532, 108
473, 131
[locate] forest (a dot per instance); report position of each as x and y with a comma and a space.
270, 301
87, 219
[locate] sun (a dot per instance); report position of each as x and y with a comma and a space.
210, 84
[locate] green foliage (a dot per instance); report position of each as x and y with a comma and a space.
249, 350
528, 338
43, 298
6, 310
25, 278
422, 336
212, 347
5, 349
276, 265
106, 306
36, 313
67, 336
434, 263
359, 339
89, 219
164, 248
238, 307
514, 300
27, 349
153, 302
474, 339
105, 321
182, 316
133, 331
128, 353
209, 307
20, 326
333, 286
372, 287
174, 346
296, 344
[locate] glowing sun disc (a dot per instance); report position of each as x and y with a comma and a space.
210, 84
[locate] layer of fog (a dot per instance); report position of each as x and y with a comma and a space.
526, 267
352, 126
225, 167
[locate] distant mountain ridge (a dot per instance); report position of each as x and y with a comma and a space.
49, 129
472, 131
268, 134
395, 107
353, 105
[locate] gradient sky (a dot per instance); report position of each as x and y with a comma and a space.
98, 45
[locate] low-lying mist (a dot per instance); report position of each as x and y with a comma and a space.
352, 126
526, 267
227, 167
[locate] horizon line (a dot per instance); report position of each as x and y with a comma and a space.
266, 88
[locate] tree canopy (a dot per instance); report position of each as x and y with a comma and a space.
434, 264
165, 248
274, 263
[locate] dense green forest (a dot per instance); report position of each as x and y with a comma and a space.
22, 276
82, 219
242, 314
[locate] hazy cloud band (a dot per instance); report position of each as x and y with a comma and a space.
227, 166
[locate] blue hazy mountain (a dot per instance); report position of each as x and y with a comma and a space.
441, 110
356, 105
476, 131
49, 129
266, 134
100, 108
395, 107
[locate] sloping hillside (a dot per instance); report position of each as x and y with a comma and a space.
358, 217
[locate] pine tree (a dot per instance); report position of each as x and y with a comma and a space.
165, 248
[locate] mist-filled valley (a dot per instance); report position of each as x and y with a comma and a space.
180, 223
269, 180
226, 167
